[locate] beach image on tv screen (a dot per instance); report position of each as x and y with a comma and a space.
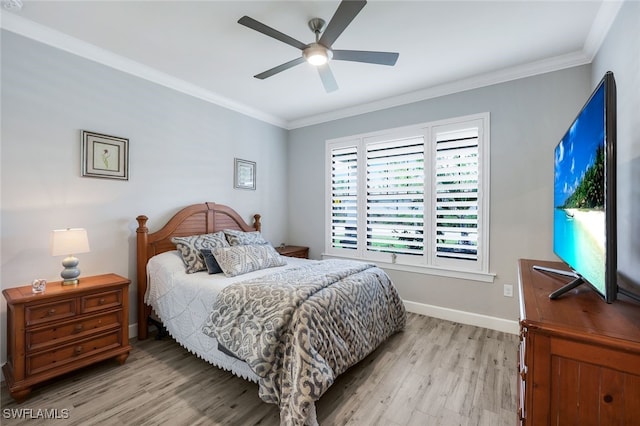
579, 194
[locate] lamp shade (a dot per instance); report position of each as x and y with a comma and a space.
65, 242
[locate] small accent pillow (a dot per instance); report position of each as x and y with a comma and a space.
189, 248
210, 261
241, 238
238, 260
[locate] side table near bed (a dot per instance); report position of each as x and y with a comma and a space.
294, 251
64, 329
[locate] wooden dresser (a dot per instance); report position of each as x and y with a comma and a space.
63, 329
294, 251
579, 357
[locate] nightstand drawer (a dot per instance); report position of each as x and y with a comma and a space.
294, 251
58, 334
47, 312
100, 301
54, 358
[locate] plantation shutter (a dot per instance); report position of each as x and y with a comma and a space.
413, 198
344, 198
395, 196
456, 194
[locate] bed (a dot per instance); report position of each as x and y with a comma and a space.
290, 325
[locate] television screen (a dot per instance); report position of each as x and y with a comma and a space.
584, 192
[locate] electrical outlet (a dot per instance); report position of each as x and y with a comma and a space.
508, 290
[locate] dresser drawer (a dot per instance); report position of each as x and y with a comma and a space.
59, 334
99, 301
47, 312
61, 355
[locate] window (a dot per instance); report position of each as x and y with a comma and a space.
414, 196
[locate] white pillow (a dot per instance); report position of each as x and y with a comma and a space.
238, 260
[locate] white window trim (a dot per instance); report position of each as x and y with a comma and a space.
384, 260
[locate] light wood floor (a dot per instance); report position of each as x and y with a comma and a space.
436, 372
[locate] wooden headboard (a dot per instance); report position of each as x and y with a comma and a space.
192, 220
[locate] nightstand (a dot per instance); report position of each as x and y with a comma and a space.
64, 329
294, 251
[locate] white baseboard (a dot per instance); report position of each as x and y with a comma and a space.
493, 323
133, 330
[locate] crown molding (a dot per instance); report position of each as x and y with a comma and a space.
605, 17
508, 74
602, 23
27, 28
600, 28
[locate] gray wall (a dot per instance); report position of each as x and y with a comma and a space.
528, 118
181, 152
620, 53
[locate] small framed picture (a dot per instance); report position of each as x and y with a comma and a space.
244, 174
104, 156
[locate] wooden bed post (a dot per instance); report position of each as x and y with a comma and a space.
141, 264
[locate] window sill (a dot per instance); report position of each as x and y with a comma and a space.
427, 270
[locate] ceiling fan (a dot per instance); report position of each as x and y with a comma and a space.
319, 53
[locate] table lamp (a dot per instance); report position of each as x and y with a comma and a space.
67, 242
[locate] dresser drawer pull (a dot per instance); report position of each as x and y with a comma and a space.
608, 398
78, 350
79, 327
51, 312
101, 301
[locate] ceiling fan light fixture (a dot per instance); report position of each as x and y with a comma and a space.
316, 54
319, 53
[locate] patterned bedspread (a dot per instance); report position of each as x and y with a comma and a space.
299, 329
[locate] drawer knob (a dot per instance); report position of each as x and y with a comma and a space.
608, 398
78, 350
51, 311
101, 301
79, 327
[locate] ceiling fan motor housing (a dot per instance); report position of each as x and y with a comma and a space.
317, 54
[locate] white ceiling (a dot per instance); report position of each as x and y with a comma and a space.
199, 48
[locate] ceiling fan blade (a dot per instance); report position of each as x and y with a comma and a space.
347, 10
266, 30
279, 68
328, 81
380, 58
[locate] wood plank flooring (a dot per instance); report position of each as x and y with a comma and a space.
436, 372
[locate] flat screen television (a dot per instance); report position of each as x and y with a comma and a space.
584, 202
